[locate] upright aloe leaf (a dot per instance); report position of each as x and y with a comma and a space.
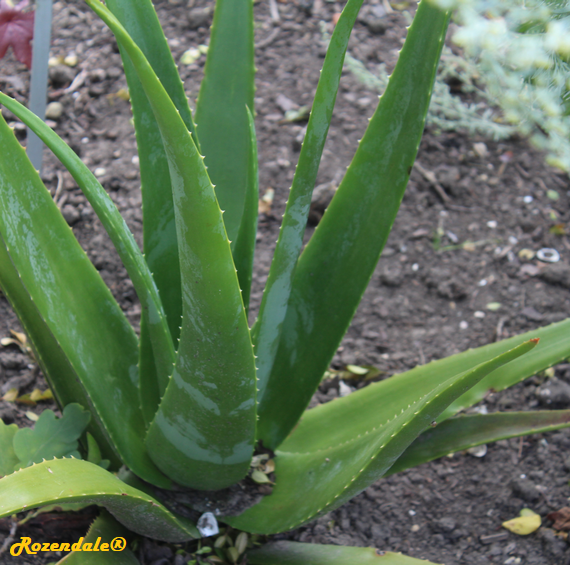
61, 376
74, 302
221, 115
245, 243
267, 329
463, 432
118, 231
159, 228
293, 553
330, 458
335, 267
203, 433
62, 481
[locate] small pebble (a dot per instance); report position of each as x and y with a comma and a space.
463, 325
54, 110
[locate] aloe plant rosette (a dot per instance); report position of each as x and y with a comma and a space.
185, 404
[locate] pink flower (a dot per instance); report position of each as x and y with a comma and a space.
16, 31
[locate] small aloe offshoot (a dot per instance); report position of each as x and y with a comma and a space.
200, 401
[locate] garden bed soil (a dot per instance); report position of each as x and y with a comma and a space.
423, 303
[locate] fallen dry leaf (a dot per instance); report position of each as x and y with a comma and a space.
561, 519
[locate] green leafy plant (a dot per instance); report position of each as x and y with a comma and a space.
200, 402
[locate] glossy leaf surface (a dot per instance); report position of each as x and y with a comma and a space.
115, 226
335, 267
61, 376
267, 329
159, 227
203, 433
293, 553
330, 458
221, 116
72, 480
463, 432
103, 530
74, 302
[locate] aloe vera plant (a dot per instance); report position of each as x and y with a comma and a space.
184, 406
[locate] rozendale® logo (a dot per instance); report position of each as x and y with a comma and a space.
117, 544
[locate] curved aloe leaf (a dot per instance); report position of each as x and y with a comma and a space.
267, 329
159, 228
75, 304
221, 116
105, 529
202, 435
245, 243
316, 472
335, 267
72, 480
293, 553
61, 376
554, 347
115, 226
463, 432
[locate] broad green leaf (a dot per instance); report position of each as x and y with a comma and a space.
117, 229
463, 432
105, 529
62, 481
51, 436
335, 267
330, 458
8, 457
267, 329
72, 299
221, 115
159, 227
202, 435
245, 243
61, 376
294, 553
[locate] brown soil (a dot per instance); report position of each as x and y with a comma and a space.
422, 303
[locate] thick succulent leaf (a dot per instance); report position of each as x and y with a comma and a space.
463, 432
554, 347
117, 229
104, 529
62, 378
293, 553
245, 243
74, 302
330, 458
221, 116
159, 227
335, 267
8, 457
203, 433
62, 481
267, 329
51, 437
